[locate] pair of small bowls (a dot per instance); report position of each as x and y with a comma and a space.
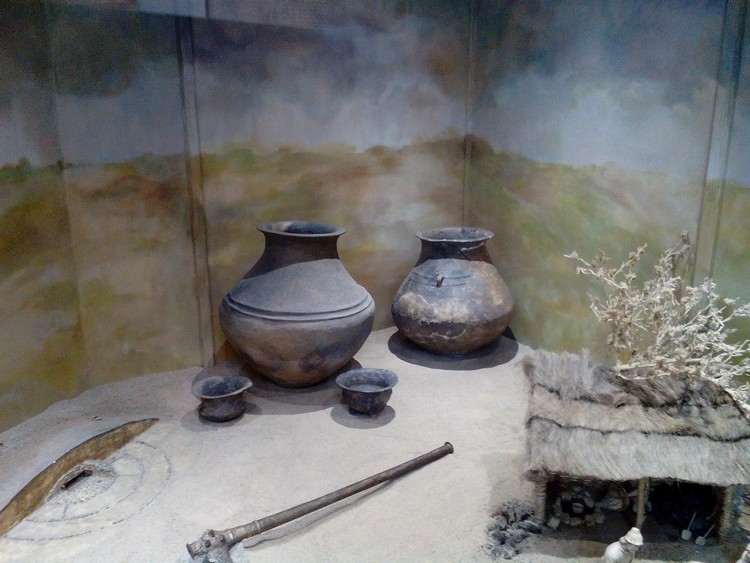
364, 390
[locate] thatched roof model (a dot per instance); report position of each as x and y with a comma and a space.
585, 422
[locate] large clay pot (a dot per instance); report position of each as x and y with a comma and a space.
297, 316
454, 300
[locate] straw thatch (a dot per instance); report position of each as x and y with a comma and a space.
585, 422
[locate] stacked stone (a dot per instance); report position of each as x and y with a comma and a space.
510, 526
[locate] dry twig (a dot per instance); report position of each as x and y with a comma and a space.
665, 327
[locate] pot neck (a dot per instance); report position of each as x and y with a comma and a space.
454, 251
456, 243
284, 248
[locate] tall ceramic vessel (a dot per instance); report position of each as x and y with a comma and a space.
454, 300
297, 316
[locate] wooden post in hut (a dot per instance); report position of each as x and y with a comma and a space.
641, 502
726, 524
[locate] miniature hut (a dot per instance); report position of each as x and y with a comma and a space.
585, 422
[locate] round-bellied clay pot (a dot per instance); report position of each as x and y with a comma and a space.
297, 316
453, 301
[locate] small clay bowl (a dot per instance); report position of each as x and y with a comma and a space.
367, 390
221, 397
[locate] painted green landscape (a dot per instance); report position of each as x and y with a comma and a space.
41, 355
97, 278
132, 244
381, 196
540, 211
98, 262
732, 260
97, 268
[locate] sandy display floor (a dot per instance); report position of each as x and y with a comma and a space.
184, 475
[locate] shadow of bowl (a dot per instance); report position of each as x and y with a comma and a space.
345, 416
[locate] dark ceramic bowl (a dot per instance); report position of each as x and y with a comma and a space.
367, 390
221, 397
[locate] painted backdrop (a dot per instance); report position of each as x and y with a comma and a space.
140, 151
591, 129
140, 146
41, 349
356, 121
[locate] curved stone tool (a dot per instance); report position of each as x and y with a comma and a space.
36, 491
215, 544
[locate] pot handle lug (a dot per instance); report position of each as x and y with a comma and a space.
439, 280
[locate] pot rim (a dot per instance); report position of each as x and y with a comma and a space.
243, 384
384, 378
455, 234
302, 229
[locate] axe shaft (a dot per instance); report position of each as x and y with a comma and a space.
212, 539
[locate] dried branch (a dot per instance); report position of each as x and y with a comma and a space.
665, 327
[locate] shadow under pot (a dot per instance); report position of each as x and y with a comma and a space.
453, 301
297, 316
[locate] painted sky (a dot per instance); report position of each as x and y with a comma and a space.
361, 85
92, 85
26, 109
571, 81
390, 78
585, 82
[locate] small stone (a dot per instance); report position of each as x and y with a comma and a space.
513, 513
614, 504
516, 536
553, 522
500, 522
507, 552
498, 536
530, 526
510, 526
